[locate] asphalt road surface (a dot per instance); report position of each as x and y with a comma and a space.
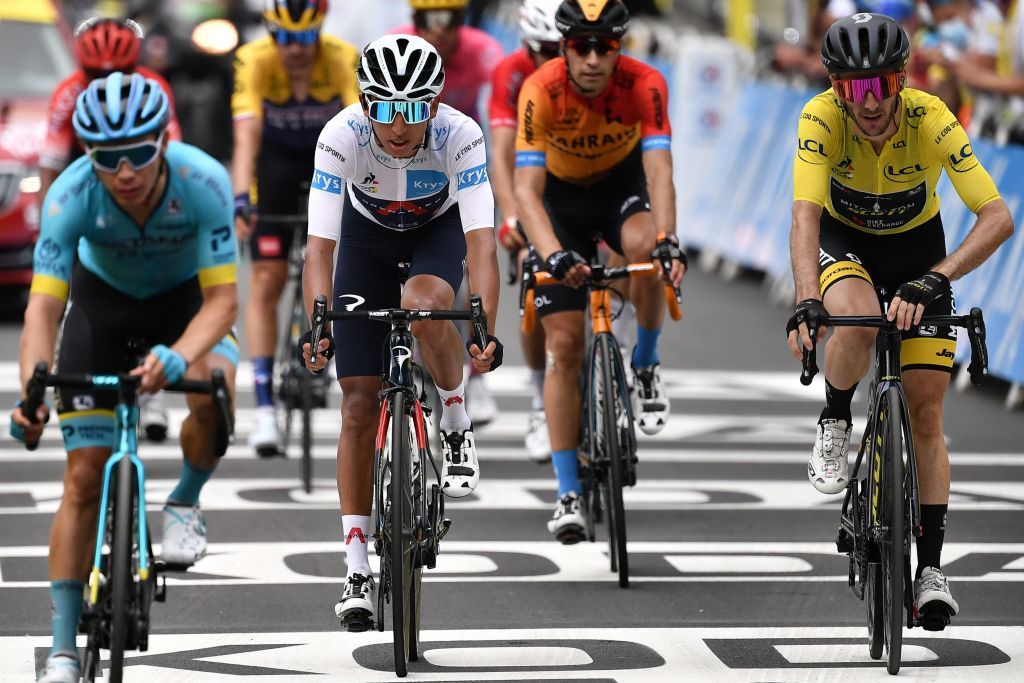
735, 576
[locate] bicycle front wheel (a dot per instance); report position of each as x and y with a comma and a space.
874, 599
614, 457
402, 540
894, 547
120, 567
306, 403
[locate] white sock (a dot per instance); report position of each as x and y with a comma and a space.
357, 532
453, 409
537, 377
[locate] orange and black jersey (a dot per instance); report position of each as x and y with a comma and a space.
580, 139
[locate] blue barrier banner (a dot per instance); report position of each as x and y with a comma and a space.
739, 206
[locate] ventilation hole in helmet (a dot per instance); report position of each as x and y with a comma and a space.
864, 43
883, 44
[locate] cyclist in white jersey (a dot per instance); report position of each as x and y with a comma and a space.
398, 177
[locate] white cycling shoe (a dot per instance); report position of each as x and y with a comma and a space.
933, 602
184, 540
265, 437
829, 466
460, 472
538, 441
651, 405
153, 416
61, 667
355, 609
567, 524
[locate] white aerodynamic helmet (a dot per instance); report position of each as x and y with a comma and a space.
537, 22
400, 67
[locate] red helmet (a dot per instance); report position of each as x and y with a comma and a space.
103, 44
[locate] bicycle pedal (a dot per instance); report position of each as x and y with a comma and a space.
442, 530
844, 543
935, 616
570, 535
270, 451
357, 621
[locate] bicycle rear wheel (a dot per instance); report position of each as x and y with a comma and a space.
306, 403
894, 548
614, 457
874, 600
123, 587
400, 534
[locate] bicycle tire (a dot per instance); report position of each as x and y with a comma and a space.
400, 531
893, 550
120, 569
306, 393
616, 463
415, 605
874, 600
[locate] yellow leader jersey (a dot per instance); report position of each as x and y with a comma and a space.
893, 191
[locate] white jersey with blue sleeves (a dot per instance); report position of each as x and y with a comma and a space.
400, 194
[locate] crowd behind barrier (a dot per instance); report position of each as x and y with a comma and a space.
735, 184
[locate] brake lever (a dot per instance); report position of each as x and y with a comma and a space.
978, 368
479, 319
810, 356
316, 326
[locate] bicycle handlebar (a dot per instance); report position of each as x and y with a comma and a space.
321, 316
974, 322
41, 378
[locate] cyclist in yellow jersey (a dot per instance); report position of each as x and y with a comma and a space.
866, 216
287, 86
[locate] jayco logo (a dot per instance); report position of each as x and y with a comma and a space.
326, 182
473, 176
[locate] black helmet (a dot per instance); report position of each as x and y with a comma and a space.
865, 42
602, 17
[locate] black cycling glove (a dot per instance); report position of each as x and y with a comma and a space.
808, 308
924, 290
327, 353
499, 350
561, 262
667, 250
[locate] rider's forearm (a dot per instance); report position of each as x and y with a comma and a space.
804, 245
529, 189
46, 178
248, 135
994, 226
503, 162
318, 272
213, 320
482, 265
661, 190
39, 335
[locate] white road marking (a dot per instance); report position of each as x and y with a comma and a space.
670, 654
484, 657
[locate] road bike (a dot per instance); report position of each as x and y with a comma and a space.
409, 522
298, 391
881, 513
125, 578
607, 430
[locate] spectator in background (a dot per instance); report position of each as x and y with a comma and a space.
798, 53
956, 32
1004, 81
470, 55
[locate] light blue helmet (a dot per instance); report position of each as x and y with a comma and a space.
120, 107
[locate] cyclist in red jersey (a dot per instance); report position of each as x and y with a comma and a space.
540, 44
102, 46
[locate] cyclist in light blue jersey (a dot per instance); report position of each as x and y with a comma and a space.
136, 249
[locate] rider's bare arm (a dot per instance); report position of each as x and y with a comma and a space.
529, 190
993, 227
482, 265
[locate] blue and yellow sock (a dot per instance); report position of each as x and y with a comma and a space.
567, 470
66, 596
189, 485
263, 380
645, 353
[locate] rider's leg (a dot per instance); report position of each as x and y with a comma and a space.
360, 412
925, 392
266, 282
849, 349
565, 346
533, 352
638, 238
72, 541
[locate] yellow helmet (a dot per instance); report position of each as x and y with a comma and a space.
420, 5
294, 15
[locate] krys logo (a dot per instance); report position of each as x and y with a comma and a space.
326, 182
362, 131
473, 176
424, 183
439, 136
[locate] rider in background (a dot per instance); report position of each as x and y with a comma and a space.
102, 46
865, 216
540, 44
470, 57
287, 86
138, 235
593, 139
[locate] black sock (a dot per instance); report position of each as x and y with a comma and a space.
929, 545
837, 403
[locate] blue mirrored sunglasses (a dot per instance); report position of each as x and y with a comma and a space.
282, 37
383, 111
138, 155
